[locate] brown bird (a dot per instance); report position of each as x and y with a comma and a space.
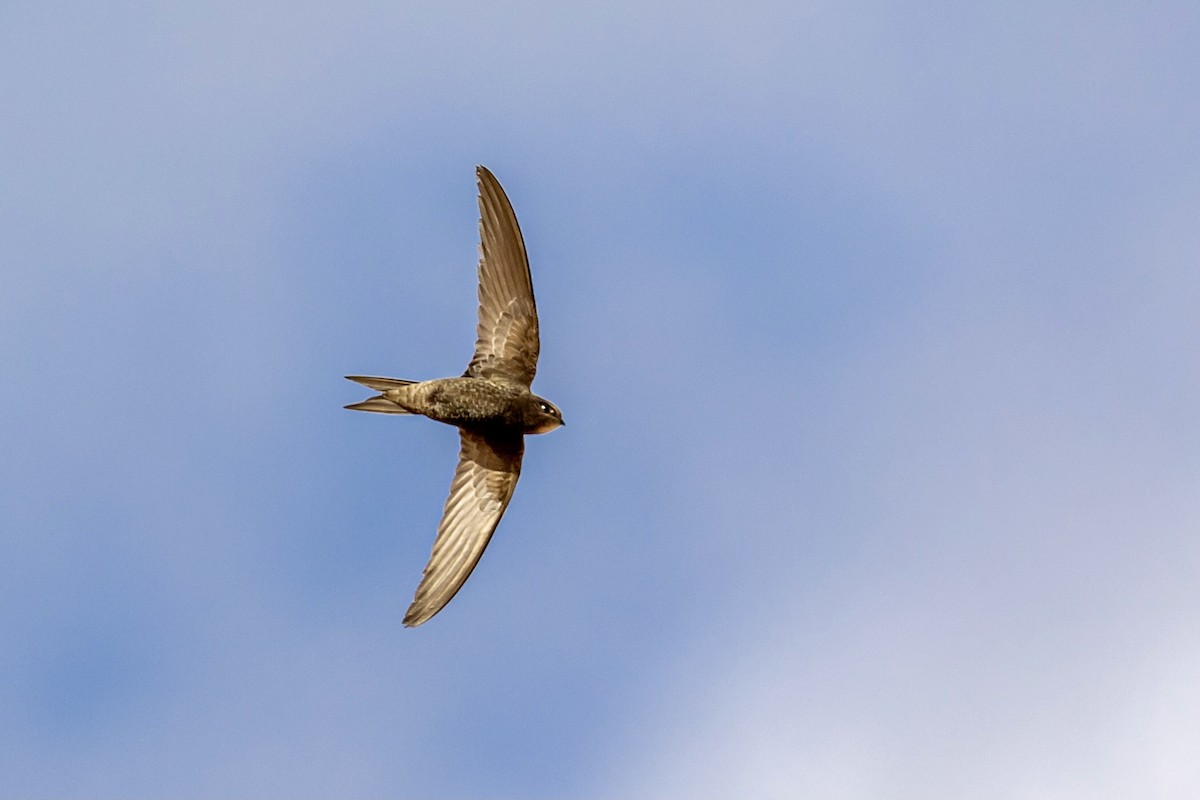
491, 404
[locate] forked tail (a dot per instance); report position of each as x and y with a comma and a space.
379, 404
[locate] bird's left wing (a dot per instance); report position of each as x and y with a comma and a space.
507, 343
488, 468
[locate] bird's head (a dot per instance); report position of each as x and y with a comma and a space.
541, 416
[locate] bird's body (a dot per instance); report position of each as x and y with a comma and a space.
477, 403
491, 404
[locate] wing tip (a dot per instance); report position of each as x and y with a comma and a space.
421, 611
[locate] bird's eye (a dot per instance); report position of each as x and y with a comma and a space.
545, 408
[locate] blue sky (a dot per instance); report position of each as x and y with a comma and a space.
874, 326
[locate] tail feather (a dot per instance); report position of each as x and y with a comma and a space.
378, 384
380, 405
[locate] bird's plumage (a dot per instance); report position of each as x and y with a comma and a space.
491, 404
507, 342
488, 468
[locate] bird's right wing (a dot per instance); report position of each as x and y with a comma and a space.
488, 468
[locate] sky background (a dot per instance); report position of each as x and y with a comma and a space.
875, 326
